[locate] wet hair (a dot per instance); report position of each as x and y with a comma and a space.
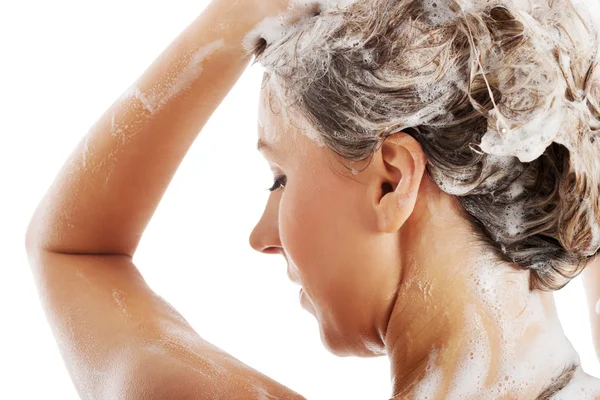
503, 96
558, 382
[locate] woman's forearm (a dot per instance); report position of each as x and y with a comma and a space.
110, 186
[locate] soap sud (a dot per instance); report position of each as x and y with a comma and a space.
80, 274
192, 71
454, 184
515, 190
295, 122
163, 91
525, 137
519, 369
492, 175
152, 101
220, 26
428, 387
428, 93
515, 219
275, 28
425, 288
119, 299
438, 12
273, 128
558, 119
86, 150
149, 104
528, 141
475, 363
519, 366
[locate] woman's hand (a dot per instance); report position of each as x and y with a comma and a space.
274, 17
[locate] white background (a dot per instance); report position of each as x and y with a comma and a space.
63, 63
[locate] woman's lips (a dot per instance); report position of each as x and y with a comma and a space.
293, 277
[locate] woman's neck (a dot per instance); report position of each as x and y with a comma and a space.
480, 335
462, 323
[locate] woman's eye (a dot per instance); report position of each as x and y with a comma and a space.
279, 182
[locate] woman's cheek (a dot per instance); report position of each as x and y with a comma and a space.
298, 232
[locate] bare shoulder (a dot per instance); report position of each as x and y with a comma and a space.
119, 339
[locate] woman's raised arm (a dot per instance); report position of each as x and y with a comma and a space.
118, 338
107, 191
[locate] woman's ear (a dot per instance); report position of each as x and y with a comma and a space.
400, 167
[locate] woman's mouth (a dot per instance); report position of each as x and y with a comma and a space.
293, 277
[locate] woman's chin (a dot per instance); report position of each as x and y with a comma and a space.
345, 345
336, 339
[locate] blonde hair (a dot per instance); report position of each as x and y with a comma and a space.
503, 96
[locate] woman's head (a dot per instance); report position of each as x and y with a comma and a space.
350, 238
501, 101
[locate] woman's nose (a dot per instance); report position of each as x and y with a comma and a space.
265, 235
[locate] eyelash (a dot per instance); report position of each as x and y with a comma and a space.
279, 182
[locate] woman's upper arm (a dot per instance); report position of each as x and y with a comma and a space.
119, 339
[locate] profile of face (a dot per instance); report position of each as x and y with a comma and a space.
339, 232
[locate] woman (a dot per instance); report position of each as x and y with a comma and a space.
431, 158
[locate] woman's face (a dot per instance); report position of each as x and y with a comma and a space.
322, 220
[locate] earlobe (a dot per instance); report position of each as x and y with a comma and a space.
403, 163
